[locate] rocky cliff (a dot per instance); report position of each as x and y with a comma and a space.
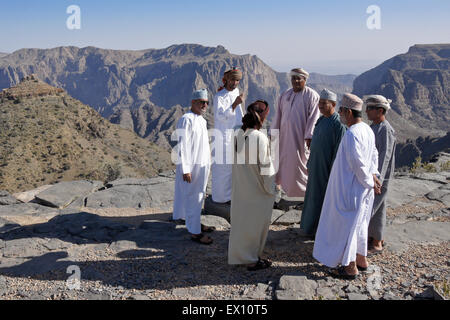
135, 88
418, 82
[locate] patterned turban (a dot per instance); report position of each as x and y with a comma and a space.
328, 95
379, 101
233, 74
299, 72
351, 101
201, 94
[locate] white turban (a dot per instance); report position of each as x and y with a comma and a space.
201, 94
299, 72
328, 95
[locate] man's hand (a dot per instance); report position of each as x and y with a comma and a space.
238, 101
187, 177
377, 185
308, 143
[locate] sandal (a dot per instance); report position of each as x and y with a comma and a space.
198, 238
261, 264
208, 229
342, 274
362, 269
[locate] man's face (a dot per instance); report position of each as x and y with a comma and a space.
326, 107
374, 113
199, 106
344, 114
231, 84
298, 83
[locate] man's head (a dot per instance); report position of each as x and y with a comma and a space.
256, 115
199, 102
232, 78
350, 109
376, 107
298, 79
327, 102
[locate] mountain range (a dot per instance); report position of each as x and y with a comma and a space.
136, 88
147, 91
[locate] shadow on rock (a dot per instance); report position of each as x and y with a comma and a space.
153, 255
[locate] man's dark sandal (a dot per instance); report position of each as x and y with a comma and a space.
342, 274
261, 264
361, 268
198, 239
208, 229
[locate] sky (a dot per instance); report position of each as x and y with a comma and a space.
330, 37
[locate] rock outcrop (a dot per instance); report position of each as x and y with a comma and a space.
47, 136
418, 82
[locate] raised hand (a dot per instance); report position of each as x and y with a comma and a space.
238, 101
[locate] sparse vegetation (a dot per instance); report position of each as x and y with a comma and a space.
418, 166
445, 166
61, 147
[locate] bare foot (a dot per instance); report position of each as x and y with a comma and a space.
361, 261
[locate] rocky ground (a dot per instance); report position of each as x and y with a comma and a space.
85, 240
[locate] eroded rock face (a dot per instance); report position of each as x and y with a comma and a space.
418, 83
147, 91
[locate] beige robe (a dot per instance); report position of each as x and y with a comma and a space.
252, 197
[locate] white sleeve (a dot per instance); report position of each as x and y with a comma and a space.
355, 160
184, 127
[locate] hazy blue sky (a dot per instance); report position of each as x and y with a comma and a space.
323, 36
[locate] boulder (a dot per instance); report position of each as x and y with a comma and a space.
214, 221
146, 195
28, 196
276, 213
289, 218
296, 287
217, 209
26, 209
7, 199
64, 193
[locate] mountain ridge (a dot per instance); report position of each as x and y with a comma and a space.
418, 82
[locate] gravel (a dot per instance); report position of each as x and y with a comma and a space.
128, 269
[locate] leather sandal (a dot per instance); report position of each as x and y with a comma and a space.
342, 274
198, 238
261, 264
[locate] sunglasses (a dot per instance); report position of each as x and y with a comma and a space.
203, 102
